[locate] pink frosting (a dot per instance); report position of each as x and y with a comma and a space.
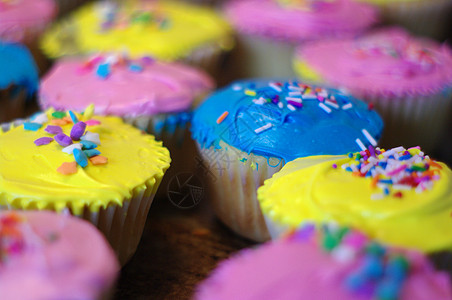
327, 19
62, 257
158, 88
387, 62
19, 15
299, 270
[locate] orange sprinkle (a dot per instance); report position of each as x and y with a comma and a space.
287, 234
67, 119
68, 168
59, 122
98, 160
428, 173
222, 117
374, 181
435, 164
356, 173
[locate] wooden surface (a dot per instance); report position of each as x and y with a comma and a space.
179, 248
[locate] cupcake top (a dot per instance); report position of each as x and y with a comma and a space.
49, 256
327, 263
399, 197
122, 87
18, 16
164, 29
59, 160
300, 20
285, 120
383, 62
17, 67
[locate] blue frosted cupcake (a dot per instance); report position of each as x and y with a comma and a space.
18, 80
247, 131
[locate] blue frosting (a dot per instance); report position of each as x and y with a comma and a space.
264, 117
17, 67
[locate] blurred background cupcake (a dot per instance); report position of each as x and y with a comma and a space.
49, 256
165, 30
408, 79
94, 167
330, 262
18, 80
268, 30
247, 131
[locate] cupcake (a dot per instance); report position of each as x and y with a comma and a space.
50, 256
247, 131
94, 167
165, 30
18, 80
270, 29
425, 17
327, 263
408, 80
398, 197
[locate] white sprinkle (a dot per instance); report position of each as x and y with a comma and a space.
295, 88
347, 106
332, 104
294, 99
369, 137
280, 105
377, 196
360, 144
309, 97
70, 149
263, 128
92, 137
290, 106
324, 107
41, 118
295, 93
275, 87
259, 101
404, 187
112, 59
323, 94
343, 253
237, 87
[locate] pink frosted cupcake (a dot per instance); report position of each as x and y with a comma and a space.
50, 256
408, 79
269, 29
328, 263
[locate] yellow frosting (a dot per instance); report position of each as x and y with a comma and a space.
29, 177
310, 189
187, 28
306, 72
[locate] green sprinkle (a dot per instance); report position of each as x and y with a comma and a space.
59, 114
329, 242
417, 168
375, 249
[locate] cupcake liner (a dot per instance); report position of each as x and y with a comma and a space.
121, 225
424, 17
257, 56
12, 103
234, 179
274, 229
208, 58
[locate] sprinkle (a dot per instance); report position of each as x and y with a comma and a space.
280, 105
250, 93
89, 111
347, 106
80, 158
87, 145
92, 122
370, 106
398, 194
78, 130
324, 107
70, 149
148, 60
98, 160
92, 137
275, 87
103, 71
73, 117
222, 117
40, 118
63, 140
360, 144
91, 152
309, 97
334, 166
298, 100
32, 126
237, 87
296, 93
135, 68
43, 141
332, 104
369, 137
263, 128
295, 104
290, 107
67, 168
58, 114
58, 122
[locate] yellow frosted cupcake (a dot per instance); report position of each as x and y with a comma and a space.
97, 168
163, 29
400, 197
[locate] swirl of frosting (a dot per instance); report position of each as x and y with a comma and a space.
383, 62
296, 267
285, 120
286, 21
17, 67
126, 89
399, 197
51, 256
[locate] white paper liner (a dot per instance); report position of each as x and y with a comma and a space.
275, 229
423, 17
232, 186
121, 225
256, 56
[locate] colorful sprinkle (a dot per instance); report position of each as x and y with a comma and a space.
263, 128
325, 108
78, 130
89, 111
103, 71
92, 122
80, 158
67, 168
73, 117
63, 140
87, 145
31, 126
91, 137
222, 117
70, 149
52, 129
59, 114
43, 141
98, 160
369, 137
91, 152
